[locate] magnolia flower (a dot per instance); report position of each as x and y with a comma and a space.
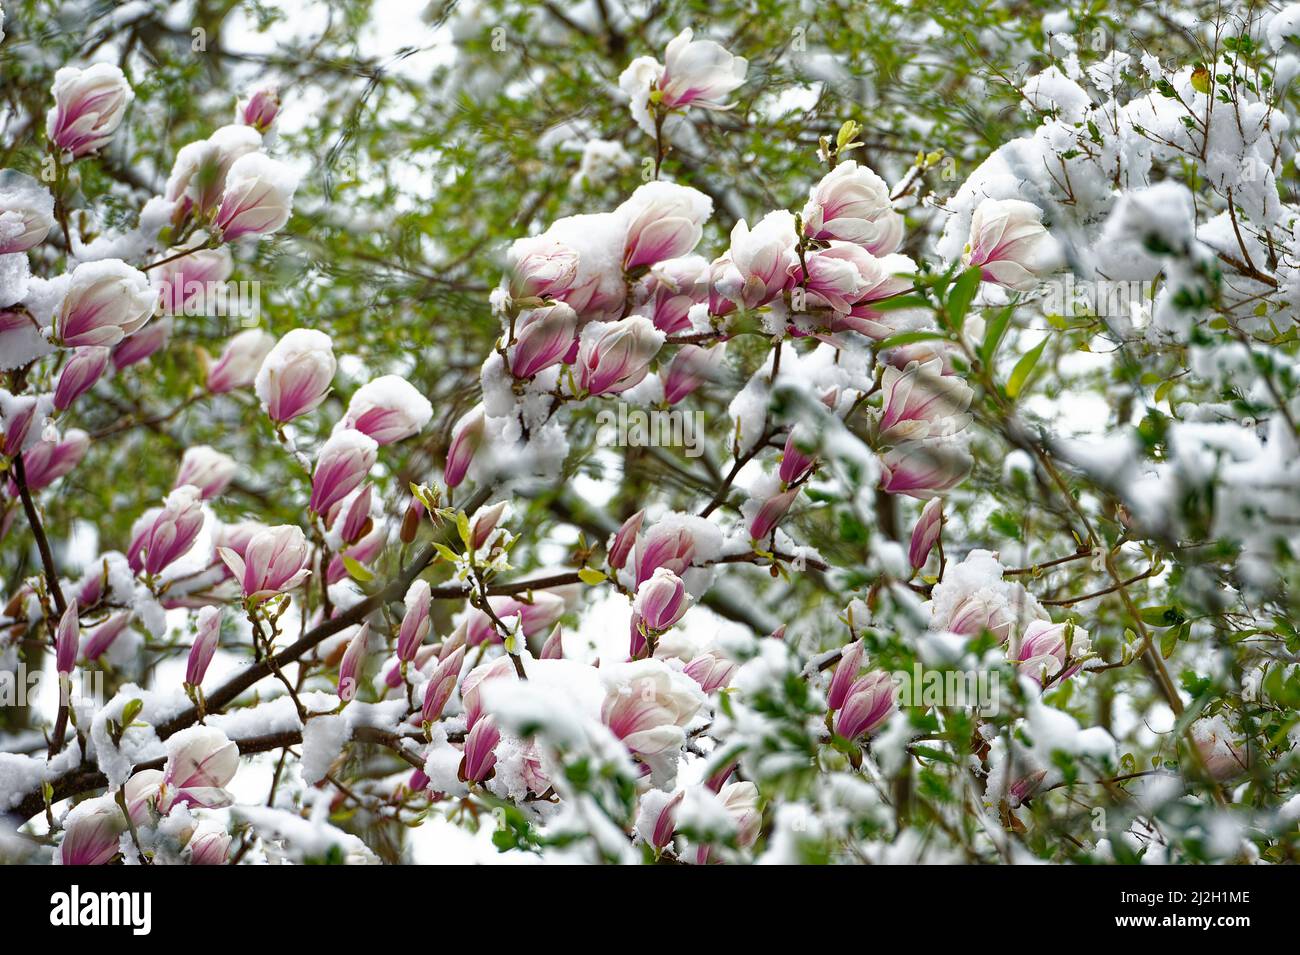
657, 821
26, 213
143, 344
47, 461
484, 522
852, 204
648, 705
711, 671
471, 688
442, 682
926, 533
415, 622
465, 440
240, 360
80, 374
922, 469
1044, 647
621, 541
258, 197
794, 462
260, 108
174, 529
388, 409
88, 107
90, 832
770, 513
479, 762
342, 464
921, 402
106, 301
839, 276
664, 546
616, 356
354, 511
17, 415
758, 263
741, 802
102, 637
699, 73
209, 846
661, 601
1010, 245
545, 336
670, 289
1224, 757
296, 375
553, 648
204, 646
536, 614
274, 561
664, 221
541, 267
201, 762
846, 673
67, 640
362, 552
207, 469
867, 705
691, 367
350, 666
201, 169
184, 283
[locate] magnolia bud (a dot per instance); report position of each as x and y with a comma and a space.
296, 375
204, 646
620, 544
67, 640
545, 336
174, 530
415, 622
88, 107
260, 109
208, 470
80, 374
661, 601
239, 362
258, 197
615, 356
105, 301
388, 409
465, 440
926, 532
342, 464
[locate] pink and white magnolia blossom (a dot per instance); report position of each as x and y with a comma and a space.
201, 762
922, 469
544, 336
353, 662
666, 293
770, 513
441, 685
142, 345
207, 469
664, 545
48, 460
466, 437
174, 530
388, 409
296, 375
485, 521
1044, 648
1009, 244
260, 108
661, 601
851, 203
479, 762
740, 801
105, 301
99, 640
240, 361
204, 646
209, 846
648, 705
67, 640
188, 285
794, 462
615, 356
79, 375
351, 516
622, 541
415, 621
536, 613
759, 261
18, 414
845, 675
26, 213
838, 276
363, 552
471, 688
273, 562
926, 533
200, 171
711, 671
699, 73
867, 705
88, 107
690, 368
921, 402
541, 267
664, 221
90, 832
258, 197
342, 464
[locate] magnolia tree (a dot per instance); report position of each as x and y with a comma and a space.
887, 505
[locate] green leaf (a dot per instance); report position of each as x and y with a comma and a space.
589, 575
356, 570
1168, 640
906, 338
993, 335
962, 294
131, 711
1024, 367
